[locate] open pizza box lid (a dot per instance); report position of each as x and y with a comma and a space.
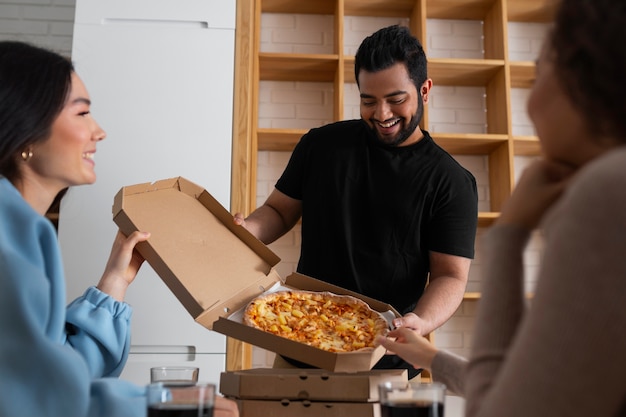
307, 384
215, 267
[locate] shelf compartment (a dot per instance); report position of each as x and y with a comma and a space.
299, 7
458, 9
471, 296
297, 67
270, 139
464, 72
468, 143
475, 296
283, 140
448, 71
379, 8
526, 146
522, 74
530, 10
487, 218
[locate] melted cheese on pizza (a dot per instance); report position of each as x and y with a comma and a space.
327, 321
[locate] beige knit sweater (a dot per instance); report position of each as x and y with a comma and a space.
566, 354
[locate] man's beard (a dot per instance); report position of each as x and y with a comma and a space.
405, 133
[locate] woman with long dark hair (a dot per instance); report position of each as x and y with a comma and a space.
56, 360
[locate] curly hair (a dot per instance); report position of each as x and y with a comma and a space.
587, 42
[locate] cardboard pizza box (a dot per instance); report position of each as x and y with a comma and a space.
307, 384
215, 267
287, 408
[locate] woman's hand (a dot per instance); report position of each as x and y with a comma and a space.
123, 264
539, 186
410, 346
225, 407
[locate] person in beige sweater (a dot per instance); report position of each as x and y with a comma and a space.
565, 354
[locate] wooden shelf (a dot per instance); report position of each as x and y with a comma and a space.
475, 296
453, 72
458, 9
471, 296
495, 72
299, 7
486, 218
279, 139
522, 74
464, 72
379, 8
526, 146
536, 11
297, 67
518, 10
469, 143
270, 139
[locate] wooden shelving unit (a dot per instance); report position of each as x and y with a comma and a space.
495, 72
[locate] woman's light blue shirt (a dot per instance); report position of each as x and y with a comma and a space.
56, 359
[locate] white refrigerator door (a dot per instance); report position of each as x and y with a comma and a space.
160, 76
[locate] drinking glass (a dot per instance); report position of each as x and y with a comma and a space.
174, 375
411, 399
180, 401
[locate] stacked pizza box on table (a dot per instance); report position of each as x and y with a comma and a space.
215, 268
306, 392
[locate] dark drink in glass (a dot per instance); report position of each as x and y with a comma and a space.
180, 400
178, 410
411, 399
412, 409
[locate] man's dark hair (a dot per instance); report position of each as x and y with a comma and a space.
388, 46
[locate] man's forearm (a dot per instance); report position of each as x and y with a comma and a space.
439, 302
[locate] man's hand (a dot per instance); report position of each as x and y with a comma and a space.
411, 321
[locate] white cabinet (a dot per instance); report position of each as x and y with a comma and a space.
160, 75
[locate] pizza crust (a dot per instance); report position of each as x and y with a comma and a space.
332, 322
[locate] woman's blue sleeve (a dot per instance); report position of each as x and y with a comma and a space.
98, 327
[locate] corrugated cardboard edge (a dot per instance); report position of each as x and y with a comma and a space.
307, 384
286, 408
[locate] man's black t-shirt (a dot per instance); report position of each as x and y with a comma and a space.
371, 213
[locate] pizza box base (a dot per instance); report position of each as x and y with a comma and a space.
358, 361
306, 384
286, 408
215, 267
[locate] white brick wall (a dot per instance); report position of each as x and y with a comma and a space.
452, 109
47, 23
454, 39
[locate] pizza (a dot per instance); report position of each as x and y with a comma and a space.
331, 322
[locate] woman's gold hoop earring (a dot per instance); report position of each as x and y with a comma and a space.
27, 154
